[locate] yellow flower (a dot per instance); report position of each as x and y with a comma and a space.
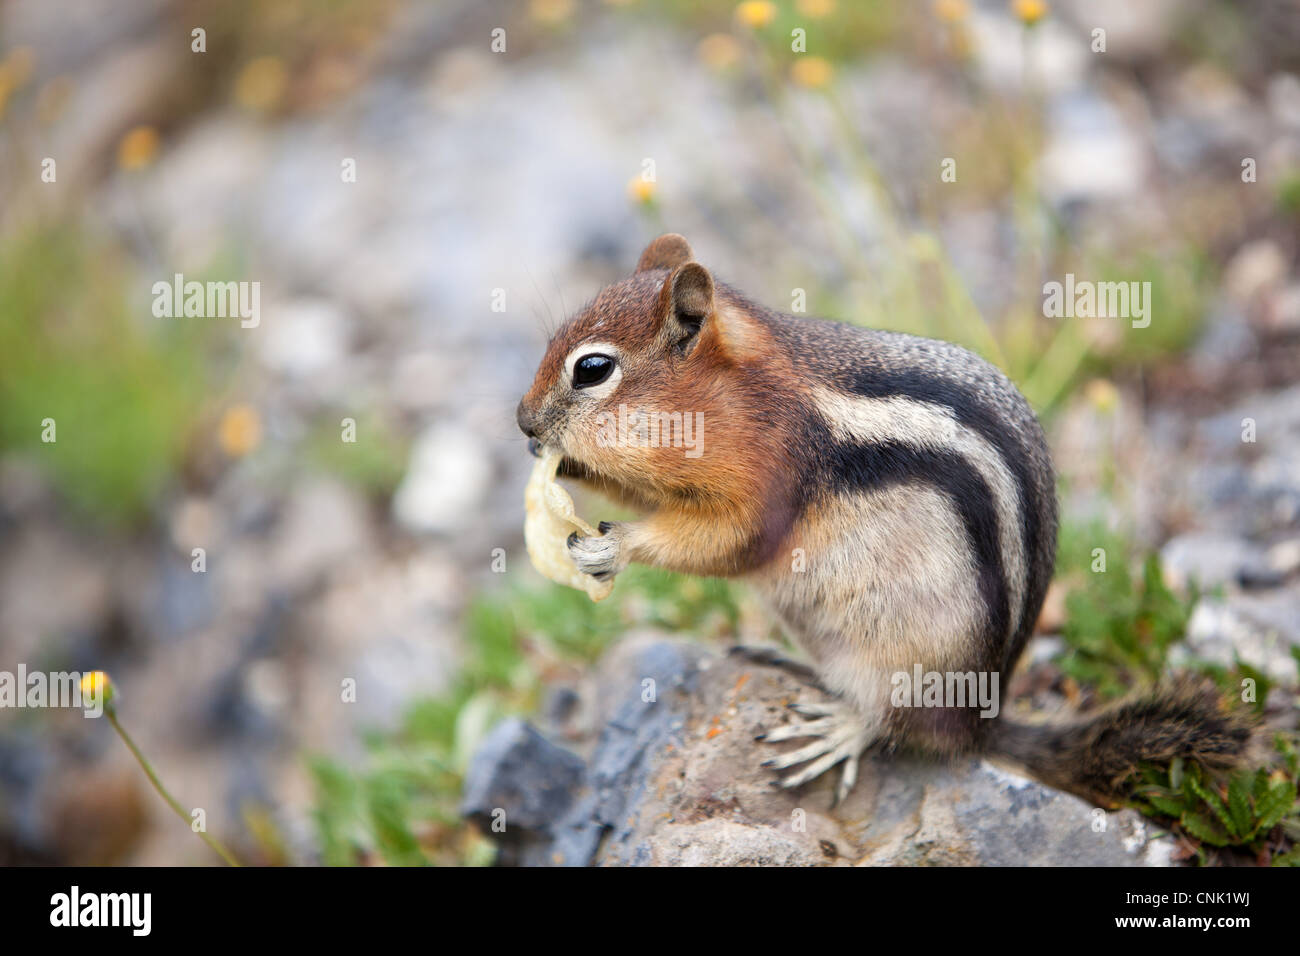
14, 71
97, 686
1029, 11
138, 148
963, 44
951, 11
1103, 395
756, 13
261, 83
551, 11
719, 51
17, 67
641, 190
240, 430
815, 8
812, 72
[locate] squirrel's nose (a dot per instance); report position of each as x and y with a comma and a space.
527, 422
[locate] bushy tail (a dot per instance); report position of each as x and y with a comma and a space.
1093, 756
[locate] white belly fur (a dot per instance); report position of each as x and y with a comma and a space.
888, 582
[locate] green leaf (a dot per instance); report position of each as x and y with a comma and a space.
1212, 800
1260, 786
1167, 805
1277, 803
1204, 829
1239, 806
1289, 754
1263, 683
1289, 858
1119, 625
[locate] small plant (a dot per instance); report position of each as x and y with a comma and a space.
123, 397
97, 686
1118, 630
1288, 194
1252, 810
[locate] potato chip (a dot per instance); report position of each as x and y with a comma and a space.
549, 519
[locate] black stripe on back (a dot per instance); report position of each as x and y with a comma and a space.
871, 465
969, 411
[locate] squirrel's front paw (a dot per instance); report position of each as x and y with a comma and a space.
600, 555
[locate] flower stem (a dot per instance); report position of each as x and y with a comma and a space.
221, 851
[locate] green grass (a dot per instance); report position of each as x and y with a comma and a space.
122, 388
1288, 194
1120, 627
374, 463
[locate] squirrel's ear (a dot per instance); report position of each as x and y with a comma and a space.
689, 301
667, 252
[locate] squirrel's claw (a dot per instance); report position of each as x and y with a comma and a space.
841, 736
601, 555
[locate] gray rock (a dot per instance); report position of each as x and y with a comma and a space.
534, 783
1228, 339
1235, 473
1284, 99
445, 482
304, 338
1258, 628
1253, 269
1056, 61
324, 528
675, 781
1211, 558
1092, 154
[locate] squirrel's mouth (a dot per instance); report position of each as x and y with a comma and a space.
569, 467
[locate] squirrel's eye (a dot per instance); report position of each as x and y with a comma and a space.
592, 370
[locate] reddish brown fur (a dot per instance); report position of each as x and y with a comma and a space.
725, 511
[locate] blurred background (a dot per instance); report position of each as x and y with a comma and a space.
421, 198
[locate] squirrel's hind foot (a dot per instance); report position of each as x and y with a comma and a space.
841, 735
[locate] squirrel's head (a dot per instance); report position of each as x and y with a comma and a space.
651, 345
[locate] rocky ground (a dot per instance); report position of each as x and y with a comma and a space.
675, 781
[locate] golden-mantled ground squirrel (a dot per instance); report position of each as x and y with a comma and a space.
891, 497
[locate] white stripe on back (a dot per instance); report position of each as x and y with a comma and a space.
925, 425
